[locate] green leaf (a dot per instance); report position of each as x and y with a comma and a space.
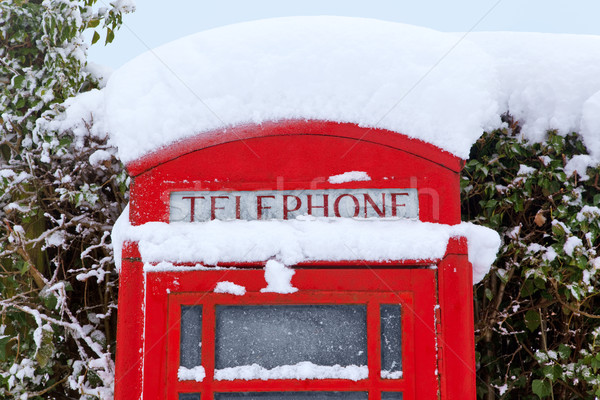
46, 348
3, 342
50, 301
22, 266
528, 288
18, 81
541, 387
595, 363
552, 372
110, 35
93, 23
539, 283
20, 103
96, 37
532, 320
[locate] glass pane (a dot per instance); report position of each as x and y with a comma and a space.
276, 335
191, 336
189, 396
391, 341
391, 396
294, 396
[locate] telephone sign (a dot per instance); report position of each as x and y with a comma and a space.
288, 204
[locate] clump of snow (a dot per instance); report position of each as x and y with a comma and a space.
55, 239
191, 374
501, 388
99, 157
350, 176
588, 212
571, 244
301, 371
525, 170
579, 164
119, 235
293, 241
99, 72
550, 254
279, 278
391, 374
230, 287
84, 115
483, 244
124, 6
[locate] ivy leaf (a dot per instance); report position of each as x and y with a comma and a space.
532, 320
541, 387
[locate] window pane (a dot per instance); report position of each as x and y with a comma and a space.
391, 341
189, 396
391, 396
293, 396
276, 335
191, 336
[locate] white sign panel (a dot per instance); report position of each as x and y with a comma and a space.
289, 204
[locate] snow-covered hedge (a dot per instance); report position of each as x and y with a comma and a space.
536, 314
59, 196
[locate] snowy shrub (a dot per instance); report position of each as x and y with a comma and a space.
57, 280
536, 314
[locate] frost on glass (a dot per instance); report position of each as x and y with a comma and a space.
275, 335
391, 396
294, 396
189, 396
391, 341
191, 337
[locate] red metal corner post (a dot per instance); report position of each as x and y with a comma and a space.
457, 341
130, 325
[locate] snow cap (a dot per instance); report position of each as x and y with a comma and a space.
417, 81
442, 88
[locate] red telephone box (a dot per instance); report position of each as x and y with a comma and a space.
370, 322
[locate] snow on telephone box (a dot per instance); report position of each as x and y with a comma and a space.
302, 255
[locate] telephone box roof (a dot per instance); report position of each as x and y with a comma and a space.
371, 73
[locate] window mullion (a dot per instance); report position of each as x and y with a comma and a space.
374, 348
208, 348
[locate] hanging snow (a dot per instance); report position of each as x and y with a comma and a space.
279, 278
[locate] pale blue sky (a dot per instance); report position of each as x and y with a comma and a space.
158, 21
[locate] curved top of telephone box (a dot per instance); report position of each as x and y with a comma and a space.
311, 106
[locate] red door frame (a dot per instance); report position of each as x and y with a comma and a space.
414, 289
449, 355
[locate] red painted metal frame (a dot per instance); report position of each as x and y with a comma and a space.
456, 339
296, 155
414, 289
